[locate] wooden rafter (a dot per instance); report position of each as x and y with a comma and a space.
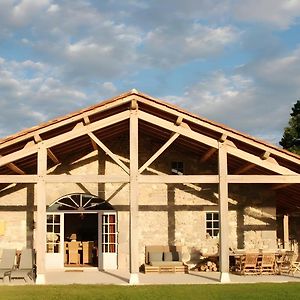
173, 137
244, 168
207, 155
108, 152
14, 168
280, 186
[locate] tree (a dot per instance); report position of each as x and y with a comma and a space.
291, 136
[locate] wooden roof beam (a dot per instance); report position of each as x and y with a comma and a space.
244, 168
14, 168
173, 137
50, 154
208, 155
280, 186
87, 121
108, 152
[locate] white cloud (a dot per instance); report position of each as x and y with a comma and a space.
31, 100
281, 14
167, 46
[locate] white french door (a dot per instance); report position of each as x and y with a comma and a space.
107, 241
55, 241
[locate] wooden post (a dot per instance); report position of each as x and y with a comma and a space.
223, 215
133, 197
40, 237
286, 239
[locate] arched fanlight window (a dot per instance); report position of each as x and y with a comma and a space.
79, 202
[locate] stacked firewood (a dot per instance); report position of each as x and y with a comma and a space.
207, 266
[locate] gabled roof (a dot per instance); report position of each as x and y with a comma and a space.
109, 119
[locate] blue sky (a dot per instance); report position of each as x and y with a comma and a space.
234, 62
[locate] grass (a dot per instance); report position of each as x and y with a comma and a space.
85, 292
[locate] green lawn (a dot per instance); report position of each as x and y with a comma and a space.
282, 291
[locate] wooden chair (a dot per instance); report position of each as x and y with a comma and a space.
286, 262
74, 256
267, 263
87, 252
294, 264
249, 265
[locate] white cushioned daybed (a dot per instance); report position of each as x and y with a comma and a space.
161, 259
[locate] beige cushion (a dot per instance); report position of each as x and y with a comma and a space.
172, 256
165, 263
155, 256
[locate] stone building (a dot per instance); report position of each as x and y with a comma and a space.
136, 171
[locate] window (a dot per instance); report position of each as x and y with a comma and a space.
177, 167
109, 233
212, 224
53, 233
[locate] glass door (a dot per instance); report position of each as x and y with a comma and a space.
55, 241
107, 241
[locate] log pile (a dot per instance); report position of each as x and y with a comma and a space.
207, 265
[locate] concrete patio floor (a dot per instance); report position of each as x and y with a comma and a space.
122, 278
118, 277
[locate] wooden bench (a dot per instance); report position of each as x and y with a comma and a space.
164, 266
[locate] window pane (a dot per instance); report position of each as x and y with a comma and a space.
112, 219
216, 232
208, 216
49, 218
216, 224
49, 228
209, 232
208, 224
56, 218
56, 228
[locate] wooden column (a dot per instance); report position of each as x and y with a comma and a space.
133, 197
223, 215
286, 239
40, 236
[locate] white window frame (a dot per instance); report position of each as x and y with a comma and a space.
212, 230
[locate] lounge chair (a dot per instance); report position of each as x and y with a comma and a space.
267, 263
7, 262
250, 264
26, 268
286, 262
